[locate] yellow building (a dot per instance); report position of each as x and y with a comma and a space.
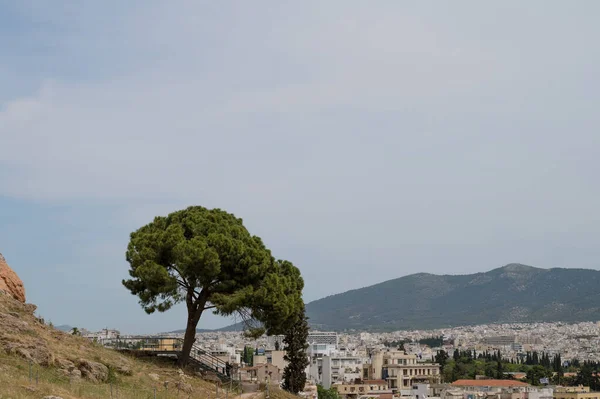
401, 370
579, 392
373, 388
161, 345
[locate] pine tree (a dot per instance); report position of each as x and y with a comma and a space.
295, 344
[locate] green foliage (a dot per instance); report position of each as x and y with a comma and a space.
432, 342
396, 344
207, 259
248, 356
466, 365
441, 358
112, 375
330, 393
588, 375
295, 344
75, 331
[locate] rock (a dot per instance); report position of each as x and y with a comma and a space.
36, 352
212, 377
10, 283
95, 372
64, 364
185, 387
24, 353
154, 377
124, 369
52, 397
75, 374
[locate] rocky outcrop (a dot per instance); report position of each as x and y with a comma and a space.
10, 283
93, 371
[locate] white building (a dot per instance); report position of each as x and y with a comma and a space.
335, 367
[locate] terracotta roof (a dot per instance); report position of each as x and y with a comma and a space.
489, 383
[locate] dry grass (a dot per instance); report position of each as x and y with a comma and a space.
24, 341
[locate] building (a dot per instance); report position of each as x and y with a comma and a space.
400, 370
358, 389
488, 385
261, 373
276, 359
499, 341
579, 392
102, 334
335, 367
340, 368
314, 337
495, 389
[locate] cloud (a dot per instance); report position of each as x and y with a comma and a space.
345, 134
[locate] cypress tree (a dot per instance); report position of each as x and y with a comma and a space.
295, 340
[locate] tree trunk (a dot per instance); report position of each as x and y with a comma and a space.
190, 335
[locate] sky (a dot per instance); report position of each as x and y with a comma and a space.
363, 141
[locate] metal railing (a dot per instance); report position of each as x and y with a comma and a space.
172, 346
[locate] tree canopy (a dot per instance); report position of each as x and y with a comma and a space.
208, 259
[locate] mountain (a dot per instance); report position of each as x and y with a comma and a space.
232, 327
513, 293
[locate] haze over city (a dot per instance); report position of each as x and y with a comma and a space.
361, 143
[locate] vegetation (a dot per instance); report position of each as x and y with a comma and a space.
536, 366
514, 293
330, 393
295, 345
248, 356
432, 342
208, 260
396, 344
28, 344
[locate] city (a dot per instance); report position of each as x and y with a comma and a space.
372, 364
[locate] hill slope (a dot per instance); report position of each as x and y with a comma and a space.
513, 293
74, 367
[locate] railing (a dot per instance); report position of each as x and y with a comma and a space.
174, 346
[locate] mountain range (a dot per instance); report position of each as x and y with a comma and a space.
514, 293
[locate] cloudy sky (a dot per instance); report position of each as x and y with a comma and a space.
363, 141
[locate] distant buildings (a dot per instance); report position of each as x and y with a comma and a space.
101, 335
499, 340
579, 392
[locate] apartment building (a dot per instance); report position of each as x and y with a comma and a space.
400, 370
579, 392
335, 367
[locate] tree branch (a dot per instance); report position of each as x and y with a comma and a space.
210, 307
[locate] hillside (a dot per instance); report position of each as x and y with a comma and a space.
74, 367
513, 293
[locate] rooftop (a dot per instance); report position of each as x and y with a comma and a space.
489, 383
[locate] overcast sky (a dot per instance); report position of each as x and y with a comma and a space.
363, 141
